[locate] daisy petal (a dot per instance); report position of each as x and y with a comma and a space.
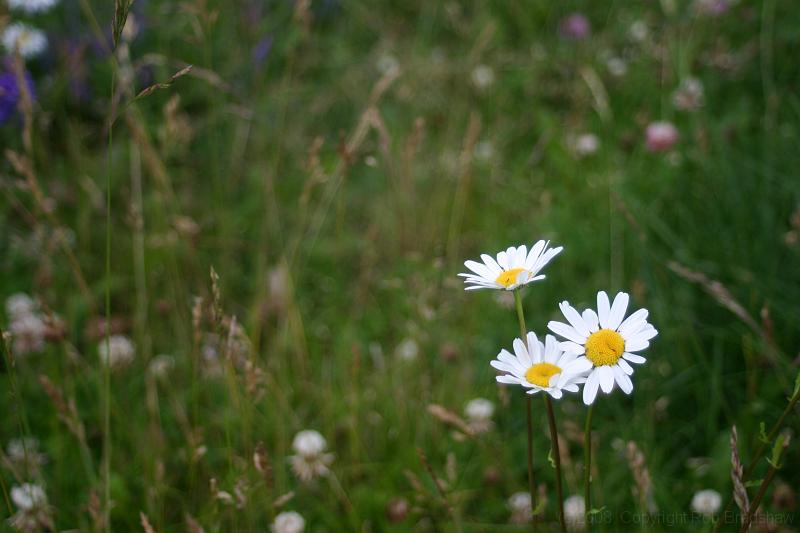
603, 308
480, 269
574, 318
606, 378
591, 320
633, 358
618, 309
502, 260
578, 366
492, 264
590, 388
522, 354
568, 332
636, 345
572, 347
622, 380
631, 324
623, 364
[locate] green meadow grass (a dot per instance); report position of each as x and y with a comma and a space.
360, 193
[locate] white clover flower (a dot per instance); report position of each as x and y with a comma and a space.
706, 502
661, 136
638, 31
288, 522
512, 269
479, 409
482, 76
28, 496
484, 151
575, 512
28, 40
617, 66
584, 144
33, 512
689, 96
310, 459
161, 365
541, 367
407, 350
521, 509
32, 6
479, 413
607, 339
25, 453
387, 63
19, 305
27, 334
117, 352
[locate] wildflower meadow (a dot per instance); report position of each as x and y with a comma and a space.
329, 265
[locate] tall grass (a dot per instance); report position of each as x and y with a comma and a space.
334, 188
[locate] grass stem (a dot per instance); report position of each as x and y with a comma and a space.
551, 420
587, 467
529, 410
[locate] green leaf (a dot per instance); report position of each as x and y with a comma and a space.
796, 385
596, 510
753, 483
539, 509
550, 458
762, 433
777, 451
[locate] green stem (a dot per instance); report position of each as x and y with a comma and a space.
773, 469
107, 365
587, 467
523, 331
551, 420
760, 451
529, 411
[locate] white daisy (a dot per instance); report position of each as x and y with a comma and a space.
607, 340
28, 40
542, 367
512, 269
32, 6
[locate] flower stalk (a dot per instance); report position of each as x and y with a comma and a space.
551, 419
529, 412
587, 467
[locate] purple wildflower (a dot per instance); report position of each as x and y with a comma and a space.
261, 50
10, 94
576, 26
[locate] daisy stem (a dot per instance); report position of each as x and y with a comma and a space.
587, 467
529, 412
556, 453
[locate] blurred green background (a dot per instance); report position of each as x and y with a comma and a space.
334, 163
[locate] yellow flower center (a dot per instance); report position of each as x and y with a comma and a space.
509, 277
540, 374
604, 347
